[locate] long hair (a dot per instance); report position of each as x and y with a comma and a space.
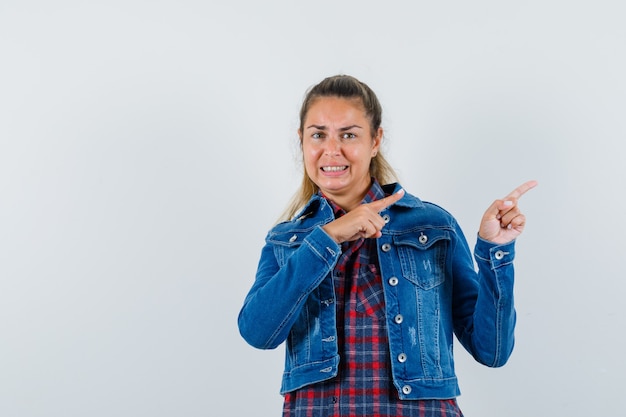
348, 87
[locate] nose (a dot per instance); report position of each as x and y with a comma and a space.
332, 147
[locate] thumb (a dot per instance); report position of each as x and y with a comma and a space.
493, 212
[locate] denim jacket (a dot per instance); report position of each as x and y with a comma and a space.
432, 290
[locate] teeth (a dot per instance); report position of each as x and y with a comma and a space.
334, 169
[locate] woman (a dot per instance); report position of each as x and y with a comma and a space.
367, 284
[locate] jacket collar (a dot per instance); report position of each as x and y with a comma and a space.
317, 202
409, 200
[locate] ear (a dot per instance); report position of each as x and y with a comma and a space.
300, 137
378, 139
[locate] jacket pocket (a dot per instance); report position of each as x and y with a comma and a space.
422, 256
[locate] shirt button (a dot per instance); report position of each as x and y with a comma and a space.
402, 357
406, 389
293, 238
423, 239
499, 255
386, 218
398, 319
386, 247
393, 281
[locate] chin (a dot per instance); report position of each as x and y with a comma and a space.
332, 186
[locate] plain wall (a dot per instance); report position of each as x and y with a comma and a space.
146, 147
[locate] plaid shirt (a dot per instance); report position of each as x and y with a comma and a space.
363, 386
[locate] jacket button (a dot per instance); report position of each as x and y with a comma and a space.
386, 247
393, 281
402, 357
293, 238
386, 218
398, 318
406, 389
423, 239
499, 255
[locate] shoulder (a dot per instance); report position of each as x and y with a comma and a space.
411, 201
412, 208
315, 212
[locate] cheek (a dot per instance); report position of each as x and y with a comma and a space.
310, 156
310, 151
358, 154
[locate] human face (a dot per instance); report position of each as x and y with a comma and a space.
338, 146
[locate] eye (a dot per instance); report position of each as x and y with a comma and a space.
317, 135
348, 135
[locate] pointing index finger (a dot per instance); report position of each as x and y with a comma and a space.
383, 203
522, 189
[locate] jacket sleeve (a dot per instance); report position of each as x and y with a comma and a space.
484, 312
279, 293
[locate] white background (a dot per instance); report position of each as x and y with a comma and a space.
147, 146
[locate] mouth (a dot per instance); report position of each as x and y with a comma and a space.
337, 168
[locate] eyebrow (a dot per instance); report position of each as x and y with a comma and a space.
342, 129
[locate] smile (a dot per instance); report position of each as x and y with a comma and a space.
335, 168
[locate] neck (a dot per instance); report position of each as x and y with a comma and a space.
351, 200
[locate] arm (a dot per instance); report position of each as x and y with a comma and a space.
484, 309
279, 293
483, 301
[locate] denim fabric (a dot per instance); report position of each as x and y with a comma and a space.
432, 290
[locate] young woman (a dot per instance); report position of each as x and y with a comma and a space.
367, 284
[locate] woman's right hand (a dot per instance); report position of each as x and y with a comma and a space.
361, 222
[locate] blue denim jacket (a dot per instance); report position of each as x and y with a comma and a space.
431, 286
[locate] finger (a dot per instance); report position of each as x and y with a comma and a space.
367, 230
505, 206
370, 231
506, 217
377, 224
516, 222
383, 203
522, 189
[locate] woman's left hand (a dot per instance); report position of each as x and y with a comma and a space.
503, 221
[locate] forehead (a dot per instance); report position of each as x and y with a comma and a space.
336, 109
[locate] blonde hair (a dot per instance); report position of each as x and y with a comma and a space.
348, 87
